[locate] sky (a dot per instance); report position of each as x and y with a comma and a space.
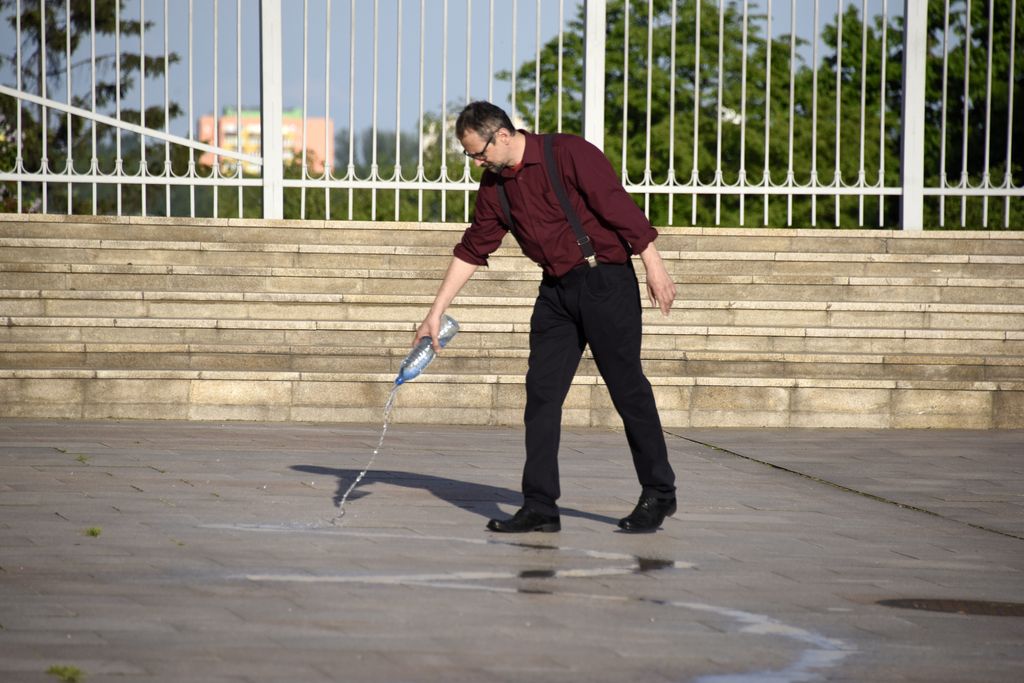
469, 23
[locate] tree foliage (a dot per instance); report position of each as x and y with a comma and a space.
44, 71
764, 109
841, 118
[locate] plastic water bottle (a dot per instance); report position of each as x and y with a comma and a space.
421, 355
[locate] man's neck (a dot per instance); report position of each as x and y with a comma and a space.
517, 148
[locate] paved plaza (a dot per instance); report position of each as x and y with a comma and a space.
173, 551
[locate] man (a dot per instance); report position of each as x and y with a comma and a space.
577, 304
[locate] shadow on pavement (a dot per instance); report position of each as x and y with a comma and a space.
482, 499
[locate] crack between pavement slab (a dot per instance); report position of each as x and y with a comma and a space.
848, 489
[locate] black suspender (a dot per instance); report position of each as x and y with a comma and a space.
556, 182
582, 239
505, 208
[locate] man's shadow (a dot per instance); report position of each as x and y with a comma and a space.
481, 499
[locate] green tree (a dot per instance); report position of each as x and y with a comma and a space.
828, 146
967, 62
61, 31
861, 129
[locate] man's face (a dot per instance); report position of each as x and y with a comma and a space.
487, 152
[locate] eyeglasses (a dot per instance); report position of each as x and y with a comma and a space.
482, 154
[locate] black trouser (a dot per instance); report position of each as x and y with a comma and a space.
600, 307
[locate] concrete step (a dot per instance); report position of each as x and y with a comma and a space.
482, 336
213, 319
839, 241
765, 246
470, 360
446, 234
338, 307
799, 287
259, 232
862, 265
437, 259
439, 398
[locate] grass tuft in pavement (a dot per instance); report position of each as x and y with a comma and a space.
67, 674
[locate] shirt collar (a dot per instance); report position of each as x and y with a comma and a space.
531, 154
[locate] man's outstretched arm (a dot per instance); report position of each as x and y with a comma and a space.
458, 275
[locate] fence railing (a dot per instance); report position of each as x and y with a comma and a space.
804, 113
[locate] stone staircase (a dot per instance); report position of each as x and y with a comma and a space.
305, 320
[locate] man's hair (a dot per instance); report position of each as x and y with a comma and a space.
484, 119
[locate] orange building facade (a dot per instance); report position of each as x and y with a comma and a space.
319, 139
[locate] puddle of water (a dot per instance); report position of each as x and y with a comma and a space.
651, 564
537, 574
819, 653
640, 565
533, 546
804, 669
972, 607
442, 579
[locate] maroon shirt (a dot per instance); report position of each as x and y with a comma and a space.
606, 210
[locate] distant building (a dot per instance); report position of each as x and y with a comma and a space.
319, 139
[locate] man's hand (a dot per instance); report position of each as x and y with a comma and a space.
430, 327
660, 288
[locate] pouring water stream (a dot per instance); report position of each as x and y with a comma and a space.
387, 418
410, 368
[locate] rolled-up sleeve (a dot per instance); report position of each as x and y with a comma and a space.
597, 183
486, 232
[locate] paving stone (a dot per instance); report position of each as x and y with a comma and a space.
217, 560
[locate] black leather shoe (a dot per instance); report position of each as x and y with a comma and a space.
648, 514
525, 520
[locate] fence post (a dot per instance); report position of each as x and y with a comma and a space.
271, 109
593, 72
915, 56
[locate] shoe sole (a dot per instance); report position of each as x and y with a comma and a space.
543, 528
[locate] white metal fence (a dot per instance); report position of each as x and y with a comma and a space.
848, 113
